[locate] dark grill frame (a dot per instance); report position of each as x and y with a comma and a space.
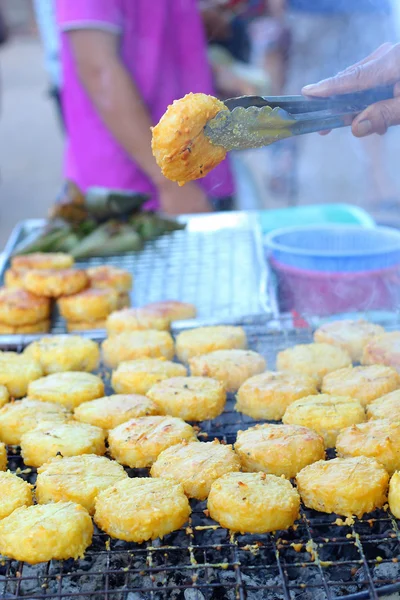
205, 562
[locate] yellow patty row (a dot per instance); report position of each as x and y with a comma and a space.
85, 298
91, 299
247, 485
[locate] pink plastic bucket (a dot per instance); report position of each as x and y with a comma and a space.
324, 293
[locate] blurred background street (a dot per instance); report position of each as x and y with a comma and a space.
328, 169
31, 141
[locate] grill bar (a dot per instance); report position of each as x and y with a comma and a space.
317, 560
367, 571
240, 592
281, 572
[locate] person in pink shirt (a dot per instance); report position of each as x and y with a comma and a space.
124, 62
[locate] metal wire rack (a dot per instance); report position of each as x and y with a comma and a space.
216, 263
321, 558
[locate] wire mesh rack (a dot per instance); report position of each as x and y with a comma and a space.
216, 263
320, 558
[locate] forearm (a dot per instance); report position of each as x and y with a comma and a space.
120, 106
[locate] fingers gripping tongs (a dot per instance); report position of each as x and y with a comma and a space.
254, 121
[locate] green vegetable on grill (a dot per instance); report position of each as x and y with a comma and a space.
150, 226
108, 239
102, 223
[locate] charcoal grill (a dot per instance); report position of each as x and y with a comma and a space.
321, 558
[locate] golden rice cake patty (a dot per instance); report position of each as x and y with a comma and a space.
137, 344
54, 283
386, 407
349, 335
76, 326
17, 418
20, 307
196, 342
3, 457
42, 260
138, 442
327, 415
89, 305
40, 327
69, 389
268, 395
58, 353
196, 465
14, 278
138, 376
17, 371
394, 495
107, 276
40, 533
253, 502
313, 359
135, 319
111, 411
77, 479
231, 367
190, 398
362, 383
141, 509
173, 310
346, 486
4, 395
278, 449
383, 350
378, 439
14, 493
67, 439
179, 145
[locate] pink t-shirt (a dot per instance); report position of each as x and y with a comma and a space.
164, 49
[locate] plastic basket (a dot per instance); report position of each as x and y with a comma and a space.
335, 248
322, 294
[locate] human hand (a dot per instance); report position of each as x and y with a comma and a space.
187, 199
382, 67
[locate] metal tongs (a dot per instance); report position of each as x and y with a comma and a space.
255, 121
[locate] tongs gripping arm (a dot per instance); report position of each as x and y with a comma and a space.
349, 103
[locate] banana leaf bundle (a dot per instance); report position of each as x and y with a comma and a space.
98, 203
101, 223
108, 239
89, 238
150, 226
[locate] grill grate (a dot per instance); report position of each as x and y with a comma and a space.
319, 559
216, 263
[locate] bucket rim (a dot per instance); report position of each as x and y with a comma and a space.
271, 244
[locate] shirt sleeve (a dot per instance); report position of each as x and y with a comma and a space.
89, 14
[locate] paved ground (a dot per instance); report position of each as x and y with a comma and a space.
330, 169
31, 143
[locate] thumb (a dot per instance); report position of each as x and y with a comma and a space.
377, 118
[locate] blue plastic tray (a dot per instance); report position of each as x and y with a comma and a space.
315, 214
335, 248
